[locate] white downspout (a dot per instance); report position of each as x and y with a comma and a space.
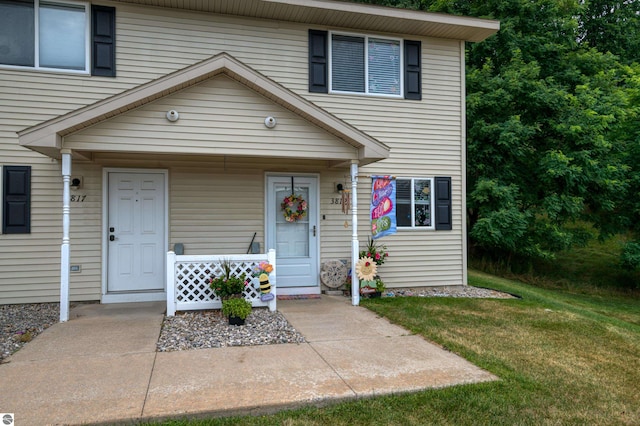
355, 245
64, 250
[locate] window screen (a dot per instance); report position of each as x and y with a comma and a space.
347, 63
384, 66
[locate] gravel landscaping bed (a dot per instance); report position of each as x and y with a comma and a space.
460, 291
21, 323
210, 329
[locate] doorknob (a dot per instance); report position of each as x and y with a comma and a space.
112, 237
314, 230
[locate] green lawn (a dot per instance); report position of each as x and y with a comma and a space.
563, 358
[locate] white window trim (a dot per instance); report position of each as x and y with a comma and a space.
413, 226
87, 42
366, 37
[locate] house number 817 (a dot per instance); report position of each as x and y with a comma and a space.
78, 198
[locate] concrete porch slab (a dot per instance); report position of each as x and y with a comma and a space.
99, 329
333, 318
375, 366
240, 379
76, 390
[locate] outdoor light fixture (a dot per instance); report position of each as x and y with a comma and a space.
270, 122
76, 182
173, 115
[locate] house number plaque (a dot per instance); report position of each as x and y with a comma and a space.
78, 198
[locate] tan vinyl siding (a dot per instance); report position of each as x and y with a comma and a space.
220, 116
216, 213
425, 139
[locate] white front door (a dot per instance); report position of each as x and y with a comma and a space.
136, 232
295, 242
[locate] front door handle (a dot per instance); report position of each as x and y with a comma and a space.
314, 230
112, 237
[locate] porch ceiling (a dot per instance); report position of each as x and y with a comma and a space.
331, 13
47, 137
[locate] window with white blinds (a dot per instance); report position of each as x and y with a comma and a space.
362, 64
384, 66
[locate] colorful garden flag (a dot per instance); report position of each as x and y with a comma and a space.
383, 206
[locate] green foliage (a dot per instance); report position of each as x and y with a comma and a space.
236, 307
549, 119
613, 26
631, 256
225, 288
376, 251
590, 266
227, 285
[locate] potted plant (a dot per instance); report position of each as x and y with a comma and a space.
376, 252
380, 287
237, 310
228, 286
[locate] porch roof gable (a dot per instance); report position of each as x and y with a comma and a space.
47, 137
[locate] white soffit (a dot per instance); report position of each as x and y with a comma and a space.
341, 14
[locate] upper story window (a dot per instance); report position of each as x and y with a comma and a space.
44, 34
58, 35
381, 66
362, 64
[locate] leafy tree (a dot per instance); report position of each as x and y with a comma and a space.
613, 26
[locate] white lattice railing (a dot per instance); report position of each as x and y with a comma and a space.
188, 280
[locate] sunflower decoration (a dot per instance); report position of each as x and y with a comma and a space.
366, 268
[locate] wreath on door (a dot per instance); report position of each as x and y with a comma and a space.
294, 208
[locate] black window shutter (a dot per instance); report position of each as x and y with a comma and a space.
103, 40
443, 204
318, 61
16, 200
412, 74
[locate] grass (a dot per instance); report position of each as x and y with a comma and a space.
592, 269
563, 358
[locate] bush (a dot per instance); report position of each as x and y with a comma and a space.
240, 308
630, 257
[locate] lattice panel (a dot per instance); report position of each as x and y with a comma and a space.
192, 280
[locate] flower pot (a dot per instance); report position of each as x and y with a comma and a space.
236, 320
375, 294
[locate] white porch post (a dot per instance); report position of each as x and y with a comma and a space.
171, 284
64, 250
355, 245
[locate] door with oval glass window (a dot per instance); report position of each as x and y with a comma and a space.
295, 240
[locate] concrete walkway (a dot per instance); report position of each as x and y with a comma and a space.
101, 366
